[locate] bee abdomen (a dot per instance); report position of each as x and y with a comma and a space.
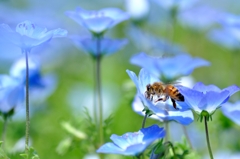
180, 97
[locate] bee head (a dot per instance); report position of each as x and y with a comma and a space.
148, 87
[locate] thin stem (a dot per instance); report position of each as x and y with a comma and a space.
4, 132
95, 107
167, 131
99, 90
27, 104
207, 137
144, 120
187, 136
171, 145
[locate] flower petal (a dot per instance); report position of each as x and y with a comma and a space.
203, 88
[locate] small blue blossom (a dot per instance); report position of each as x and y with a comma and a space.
108, 46
169, 68
232, 111
28, 35
162, 111
40, 86
207, 98
200, 17
11, 93
100, 21
225, 38
132, 144
154, 45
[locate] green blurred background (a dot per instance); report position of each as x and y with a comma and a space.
74, 69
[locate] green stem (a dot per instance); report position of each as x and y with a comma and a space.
99, 90
4, 132
207, 137
27, 104
144, 120
167, 131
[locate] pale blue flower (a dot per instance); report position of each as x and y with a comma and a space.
163, 111
206, 98
107, 46
98, 21
11, 93
28, 35
168, 68
132, 144
41, 86
232, 111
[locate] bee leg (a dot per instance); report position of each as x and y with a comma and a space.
174, 103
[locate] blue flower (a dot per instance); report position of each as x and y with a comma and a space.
200, 17
207, 98
162, 111
224, 37
138, 9
154, 45
132, 144
232, 111
11, 93
107, 46
27, 35
40, 86
169, 68
98, 21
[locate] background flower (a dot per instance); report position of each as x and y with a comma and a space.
232, 111
98, 21
168, 68
28, 35
108, 46
132, 144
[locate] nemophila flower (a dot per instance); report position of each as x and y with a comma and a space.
206, 99
200, 17
40, 86
100, 21
225, 38
232, 111
108, 46
168, 68
149, 43
163, 111
28, 35
132, 143
11, 93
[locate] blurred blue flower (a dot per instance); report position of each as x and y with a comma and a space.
132, 144
232, 111
100, 21
181, 4
199, 17
206, 98
108, 46
162, 111
40, 86
229, 34
27, 35
168, 69
147, 42
11, 93
224, 37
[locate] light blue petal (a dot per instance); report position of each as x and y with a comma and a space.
152, 133
110, 148
191, 97
109, 46
232, 111
134, 78
150, 63
203, 88
212, 100
98, 24
232, 89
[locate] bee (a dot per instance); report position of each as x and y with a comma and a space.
163, 92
